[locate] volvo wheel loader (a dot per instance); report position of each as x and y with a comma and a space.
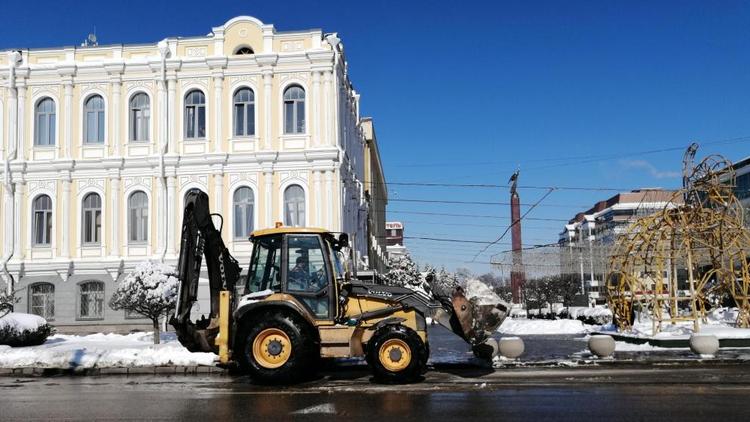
298, 305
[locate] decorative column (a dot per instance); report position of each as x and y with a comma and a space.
318, 195
169, 117
268, 177
329, 200
219, 193
18, 197
9, 220
65, 214
68, 124
114, 247
218, 91
327, 110
172, 210
267, 101
21, 126
116, 85
315, 111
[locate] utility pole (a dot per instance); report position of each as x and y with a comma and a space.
517, 276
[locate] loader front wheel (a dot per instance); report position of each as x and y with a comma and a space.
396, 354
276, 347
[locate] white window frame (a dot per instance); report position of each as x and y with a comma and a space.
132, 134
85, 116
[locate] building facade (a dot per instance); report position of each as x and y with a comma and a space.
100, 145
376, 193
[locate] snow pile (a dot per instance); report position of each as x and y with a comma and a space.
18, 329
519, 326
597, 315
102, 351
719, 322
480, 293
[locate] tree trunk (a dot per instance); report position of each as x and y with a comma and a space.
157, 332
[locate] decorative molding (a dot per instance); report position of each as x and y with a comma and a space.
199, 179
91, 86
243, 33
236, 178
87, 183
199, 81
294, 75
244, 78
196, 51
143, 181
293, 174
290, 46
46, 185
144, 83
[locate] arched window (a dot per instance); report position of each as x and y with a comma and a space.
42, 300
42, 220
44, 121
294, 110
244, 112
242, 51
244, 204
91, 300
140, 115
93, 120
138, 217
195, 115
294, 206
92, 219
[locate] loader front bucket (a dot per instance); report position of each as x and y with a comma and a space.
472, 321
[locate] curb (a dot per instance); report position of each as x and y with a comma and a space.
137, 370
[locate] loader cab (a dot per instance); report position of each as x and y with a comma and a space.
298, 262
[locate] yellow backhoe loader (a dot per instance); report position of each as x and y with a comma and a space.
298, 305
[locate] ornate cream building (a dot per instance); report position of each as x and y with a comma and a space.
100, 144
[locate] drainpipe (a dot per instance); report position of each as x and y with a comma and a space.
14, 59
164, 51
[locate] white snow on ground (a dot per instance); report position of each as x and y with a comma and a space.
520, 326
102, 351
718, 322
21, 322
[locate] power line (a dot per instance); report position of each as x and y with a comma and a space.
472, 215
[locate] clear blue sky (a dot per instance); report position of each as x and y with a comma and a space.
464, 92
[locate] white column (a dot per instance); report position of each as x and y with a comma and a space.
218, 90
315, 110
219, 193
161, 216
268, 177
329, 201
318, 198
9, 219
18, 197
116, 117
21, 126
171, 112
114, 247
68, 124
65, 218
327, 110
267, 104
172, 210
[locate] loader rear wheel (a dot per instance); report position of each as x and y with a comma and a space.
396, 354
276, 347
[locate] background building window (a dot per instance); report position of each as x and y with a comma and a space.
92, 219
42, 300
195, 115
294, 110
244, 112
42, 210
294, 206
243, 212
93, 120
140, 115
91, 300
138, 217
44, 121
242, 51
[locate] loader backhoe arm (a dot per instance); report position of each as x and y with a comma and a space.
200, 239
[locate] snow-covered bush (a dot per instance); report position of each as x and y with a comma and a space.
150, 290
402, 271
17, 329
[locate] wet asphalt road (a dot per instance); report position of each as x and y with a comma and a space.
716, 393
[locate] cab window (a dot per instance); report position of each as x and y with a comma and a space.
265, 265
307, 272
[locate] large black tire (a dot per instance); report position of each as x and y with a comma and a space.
386, 349
298, 362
